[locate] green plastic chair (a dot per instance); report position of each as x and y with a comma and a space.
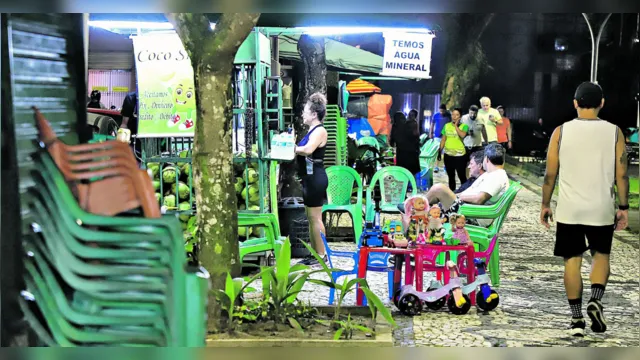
269, 221
165, 231
482, 236
428, 154
342, 181
394, 182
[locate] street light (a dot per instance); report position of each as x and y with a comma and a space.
595, 44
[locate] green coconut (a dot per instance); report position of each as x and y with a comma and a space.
170, 174
169, 201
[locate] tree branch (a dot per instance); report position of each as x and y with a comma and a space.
193, 30
485, 23
205, 44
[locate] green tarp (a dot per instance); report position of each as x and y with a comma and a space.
337, 54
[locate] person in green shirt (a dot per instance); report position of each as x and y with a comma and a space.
454, 150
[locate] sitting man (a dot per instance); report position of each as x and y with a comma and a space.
486, 190
475, 170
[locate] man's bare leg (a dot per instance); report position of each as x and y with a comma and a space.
440, 193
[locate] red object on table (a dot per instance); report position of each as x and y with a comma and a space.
421, 253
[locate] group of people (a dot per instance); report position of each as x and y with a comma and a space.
586, 212
458, 136
461, 135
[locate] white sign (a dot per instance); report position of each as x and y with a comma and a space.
407, 55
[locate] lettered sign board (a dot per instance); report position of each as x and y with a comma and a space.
407, 55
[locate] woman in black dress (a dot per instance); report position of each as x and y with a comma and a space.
310, 157
406, 138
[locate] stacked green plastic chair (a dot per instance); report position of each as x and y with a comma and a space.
95, 280
482, 236
272, 240
343, 180
336, 148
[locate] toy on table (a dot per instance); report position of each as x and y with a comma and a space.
460, 233
435, 229
415, 218
395, 236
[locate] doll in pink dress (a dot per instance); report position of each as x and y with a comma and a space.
461, 234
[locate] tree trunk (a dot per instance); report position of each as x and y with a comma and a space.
312, 54
465, 58
212, 54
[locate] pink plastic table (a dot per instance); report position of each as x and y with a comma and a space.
420, 254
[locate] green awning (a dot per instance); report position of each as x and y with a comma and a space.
337, 54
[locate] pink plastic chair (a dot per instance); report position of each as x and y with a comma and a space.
486, 255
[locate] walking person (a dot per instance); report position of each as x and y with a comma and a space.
504, 130
455, 160
310, 156
490, 118
587, 156
437, 124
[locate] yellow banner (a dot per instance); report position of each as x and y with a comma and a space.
166, 95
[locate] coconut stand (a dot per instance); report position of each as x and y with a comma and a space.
257, 116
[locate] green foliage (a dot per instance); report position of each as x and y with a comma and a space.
345, 328
281, 285
231, 296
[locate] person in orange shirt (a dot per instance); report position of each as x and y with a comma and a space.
504, 130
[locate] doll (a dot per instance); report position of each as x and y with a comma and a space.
461, 234
415, 217
419, 219
435, 229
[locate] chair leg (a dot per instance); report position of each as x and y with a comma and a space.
494, 267
332, 291
390, 284
356, 218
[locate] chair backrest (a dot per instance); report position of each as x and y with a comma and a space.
428, 154
394, 182
130, 187
342, 181
378, 259
506, 201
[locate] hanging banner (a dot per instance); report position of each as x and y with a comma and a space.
407, 55
166, 94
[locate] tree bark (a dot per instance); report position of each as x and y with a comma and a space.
312, 54
466, 63
212, 54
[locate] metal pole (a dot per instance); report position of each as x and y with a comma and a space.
595, 67
595, 44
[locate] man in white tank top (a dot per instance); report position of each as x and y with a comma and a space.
588, 158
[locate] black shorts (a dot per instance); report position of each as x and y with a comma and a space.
314, 189
570, 239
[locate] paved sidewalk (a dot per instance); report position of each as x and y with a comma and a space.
533, 310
